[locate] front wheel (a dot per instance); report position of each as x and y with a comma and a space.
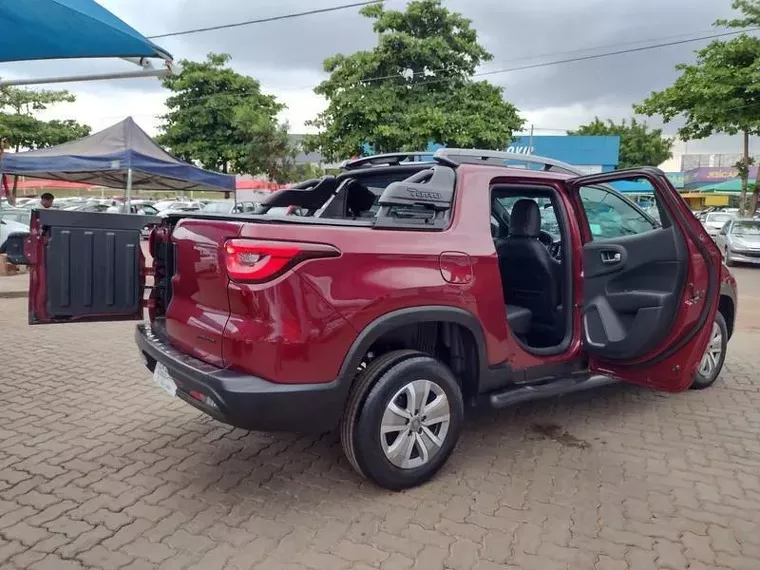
406, 427
715, 355
726, 259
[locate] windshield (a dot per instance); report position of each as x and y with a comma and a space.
718, 217
218, 207
746, 228
20, 216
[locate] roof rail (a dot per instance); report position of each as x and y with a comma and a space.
390, 159
456, 156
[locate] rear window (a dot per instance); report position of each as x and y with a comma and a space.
744, 228
718, 217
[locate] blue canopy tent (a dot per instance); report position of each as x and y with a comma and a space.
67, 29
121, 156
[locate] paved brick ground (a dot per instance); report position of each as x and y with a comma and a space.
13, 286
99, 469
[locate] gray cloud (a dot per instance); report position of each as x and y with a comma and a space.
287, 56
512, 30
293, 44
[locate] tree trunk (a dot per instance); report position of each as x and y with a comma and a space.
12, 197
744, 175
754, 198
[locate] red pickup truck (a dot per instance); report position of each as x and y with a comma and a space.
406, 289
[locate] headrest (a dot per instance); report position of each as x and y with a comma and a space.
310, 195
525, 220
359, 198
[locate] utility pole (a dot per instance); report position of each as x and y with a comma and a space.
530, 140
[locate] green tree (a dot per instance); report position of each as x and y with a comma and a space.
57, 132
750, 15
23, 130
720, 93
750, 18
222, 119
286, 170
639, 146
717, 94
20, 129
414, 87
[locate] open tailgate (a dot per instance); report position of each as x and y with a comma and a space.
85, 266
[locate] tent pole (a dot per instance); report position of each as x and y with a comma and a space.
128, 199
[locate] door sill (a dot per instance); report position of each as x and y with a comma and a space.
547, 351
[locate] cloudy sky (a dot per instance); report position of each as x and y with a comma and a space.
286, 56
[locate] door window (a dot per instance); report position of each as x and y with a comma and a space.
549, 223
611, 216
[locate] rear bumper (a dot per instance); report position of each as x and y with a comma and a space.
244, 401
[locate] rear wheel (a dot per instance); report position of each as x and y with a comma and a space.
402, 420
715, 355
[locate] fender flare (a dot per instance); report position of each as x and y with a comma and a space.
412, 315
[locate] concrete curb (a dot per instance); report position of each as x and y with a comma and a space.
13, 294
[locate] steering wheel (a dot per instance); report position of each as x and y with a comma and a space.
555, 250
553, 247
545, 238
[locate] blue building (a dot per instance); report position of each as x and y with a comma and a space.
590, 154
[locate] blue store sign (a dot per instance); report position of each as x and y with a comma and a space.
590, 154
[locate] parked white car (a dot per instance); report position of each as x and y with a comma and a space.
714, 221
175, 207
228, 207
8, 227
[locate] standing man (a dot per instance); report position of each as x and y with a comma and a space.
47, 200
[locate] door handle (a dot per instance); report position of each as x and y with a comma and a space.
610, 257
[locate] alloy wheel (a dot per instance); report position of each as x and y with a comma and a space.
415, 424
712, 355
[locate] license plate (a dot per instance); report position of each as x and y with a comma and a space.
162, 377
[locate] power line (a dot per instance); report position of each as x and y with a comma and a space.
550, 63
264, 20
603, 55
503, 70
567, 52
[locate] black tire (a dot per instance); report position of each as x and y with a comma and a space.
364, 382
705, 381
373, 390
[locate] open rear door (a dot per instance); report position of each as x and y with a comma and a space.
85, 266
650, 287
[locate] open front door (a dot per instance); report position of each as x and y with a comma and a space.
650, 280
85, 266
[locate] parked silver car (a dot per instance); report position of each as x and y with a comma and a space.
714, 221
739, 241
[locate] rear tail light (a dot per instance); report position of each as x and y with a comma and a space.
254, 261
